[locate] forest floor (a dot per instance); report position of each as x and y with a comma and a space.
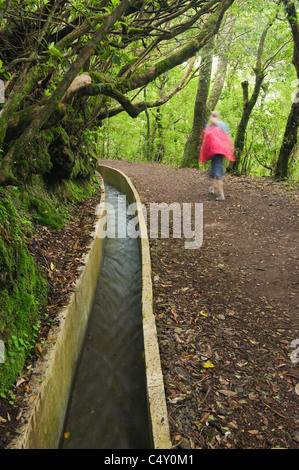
226, 313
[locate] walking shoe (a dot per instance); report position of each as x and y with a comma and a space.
211, 190
220, 198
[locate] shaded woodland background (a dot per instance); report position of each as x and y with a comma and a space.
132, 80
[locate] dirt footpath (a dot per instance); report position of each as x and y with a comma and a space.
227, 313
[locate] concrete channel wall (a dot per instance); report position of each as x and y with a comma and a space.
155, 389
53, 374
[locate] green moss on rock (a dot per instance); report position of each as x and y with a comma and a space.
50, 175
23, 292
35, 158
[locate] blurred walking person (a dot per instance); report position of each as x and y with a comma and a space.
215, 145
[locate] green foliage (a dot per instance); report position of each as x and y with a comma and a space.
45, 213
129, 139
23, 292
34, 159
23, 289
2, 71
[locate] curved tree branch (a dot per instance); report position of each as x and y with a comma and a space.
47, 111
62, 87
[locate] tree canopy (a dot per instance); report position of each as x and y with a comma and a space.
66, 67
65, 62
252, 76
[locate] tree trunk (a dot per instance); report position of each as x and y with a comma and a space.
158, 138
219, 81
148, 131
158, 144
288, 143
201, 111
291, 130
249, 104
247, 110
26, 83
224, 40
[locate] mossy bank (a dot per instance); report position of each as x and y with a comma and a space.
42, 197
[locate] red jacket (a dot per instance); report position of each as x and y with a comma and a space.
215, 141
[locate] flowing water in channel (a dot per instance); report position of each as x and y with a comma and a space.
108, 404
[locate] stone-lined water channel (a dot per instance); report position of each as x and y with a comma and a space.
108, 404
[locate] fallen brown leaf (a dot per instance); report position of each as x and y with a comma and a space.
31, 399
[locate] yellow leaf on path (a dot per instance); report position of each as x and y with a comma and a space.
203, 313
190, 356
31, 399
52, 266
208, 364
66, 435
38, 349
175, 315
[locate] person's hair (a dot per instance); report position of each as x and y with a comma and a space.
214, 117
